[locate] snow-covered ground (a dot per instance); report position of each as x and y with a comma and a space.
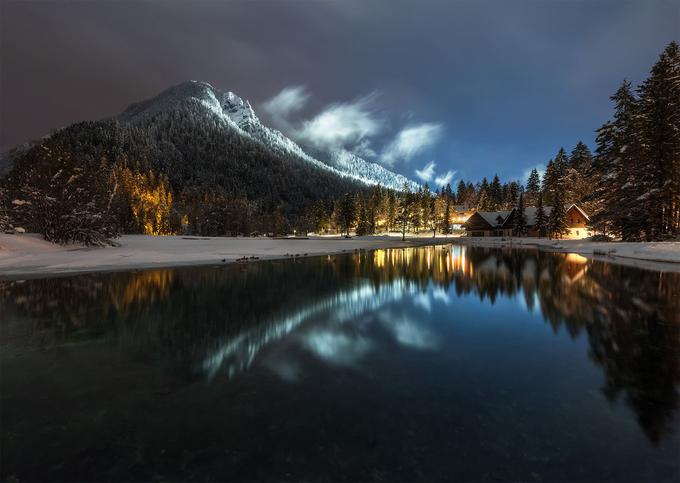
28, 255
655, 255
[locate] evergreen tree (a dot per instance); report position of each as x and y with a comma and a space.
550, 179
554, 176
64, 198
374, 207
659, 130
5, 220
346, 213
580, 157
391, 210
520, 218
576, 176
425, 203
617, 209
434, 213
405, 209
557, 220
446, 219
514, 190
483, 187
541, 221
495, 194
363, 225
461, 193
483, 203
533, 187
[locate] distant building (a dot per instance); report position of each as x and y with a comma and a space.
502, 223
488, 223
461, 214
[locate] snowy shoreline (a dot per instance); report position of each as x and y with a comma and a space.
28, 256
662, 256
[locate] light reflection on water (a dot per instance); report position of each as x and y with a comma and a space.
519, 360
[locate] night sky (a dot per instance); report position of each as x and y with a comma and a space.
472, 88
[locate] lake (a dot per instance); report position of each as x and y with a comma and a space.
416, 364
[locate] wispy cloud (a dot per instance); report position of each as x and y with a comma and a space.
342, 125
410, 141
444, 179
353, 126
290, 100
427, 172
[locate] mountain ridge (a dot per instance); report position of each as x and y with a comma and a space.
236, 113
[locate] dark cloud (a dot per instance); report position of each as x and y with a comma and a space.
509, 81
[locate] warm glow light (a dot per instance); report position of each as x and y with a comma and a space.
576, 258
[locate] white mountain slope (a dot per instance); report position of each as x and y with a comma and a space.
237, 114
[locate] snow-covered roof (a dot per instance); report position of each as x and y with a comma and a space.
494, 218
580, 210
530, 212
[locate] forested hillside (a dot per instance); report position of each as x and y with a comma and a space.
174, 173
195, 160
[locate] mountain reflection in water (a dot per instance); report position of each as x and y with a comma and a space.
211, 324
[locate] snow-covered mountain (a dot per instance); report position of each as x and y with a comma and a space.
236, 114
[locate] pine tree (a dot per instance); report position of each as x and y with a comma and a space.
554, 175
550, 179
391, 210
541, 221
557, 222
446, 219
425, 202
533, 187
613, 171
495, 194
374, 207
346, 213
362, 221
5, 221
483, 203
520, 218
434, 213
514, 190
659, 130
576, 179
461, 193
404, 209
580, 157
471, 195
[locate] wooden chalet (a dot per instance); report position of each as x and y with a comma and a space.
502, 223
488, 223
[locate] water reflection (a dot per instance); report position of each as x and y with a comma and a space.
213, 324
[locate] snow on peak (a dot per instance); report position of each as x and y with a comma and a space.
234, 112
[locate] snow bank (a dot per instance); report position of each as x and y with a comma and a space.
664, 256
29, 256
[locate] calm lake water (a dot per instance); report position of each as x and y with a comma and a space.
438, 363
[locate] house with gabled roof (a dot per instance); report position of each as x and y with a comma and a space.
488, 223
502, 223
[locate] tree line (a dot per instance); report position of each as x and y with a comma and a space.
180, 172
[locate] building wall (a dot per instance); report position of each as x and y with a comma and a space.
575, 219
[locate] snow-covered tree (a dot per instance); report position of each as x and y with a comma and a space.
658, 173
